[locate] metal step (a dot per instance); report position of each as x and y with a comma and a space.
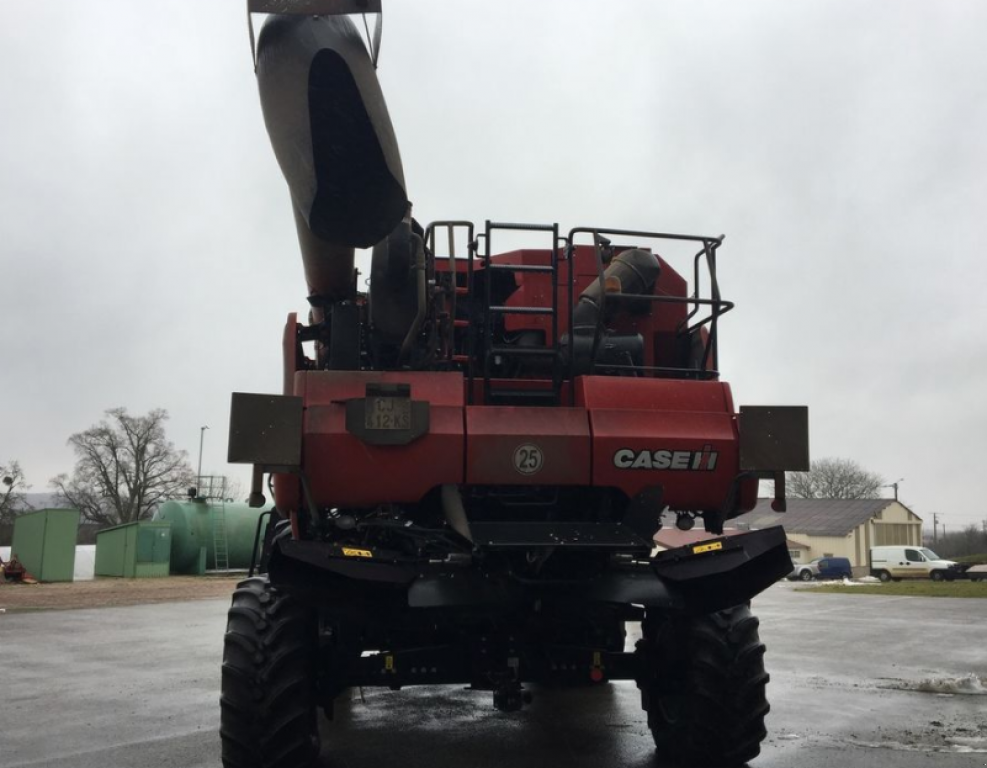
523, 394
520, 268
524, 351
522, 310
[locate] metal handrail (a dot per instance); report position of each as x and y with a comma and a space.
719, 307
564, 248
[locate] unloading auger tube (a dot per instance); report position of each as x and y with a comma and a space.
468, 475
332, 136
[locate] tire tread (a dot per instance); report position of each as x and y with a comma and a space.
267, 707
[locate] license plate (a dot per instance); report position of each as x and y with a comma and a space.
388, 413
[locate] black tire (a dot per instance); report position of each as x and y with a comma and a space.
703, 687
805, 575
268, 716
937, 575
884, 576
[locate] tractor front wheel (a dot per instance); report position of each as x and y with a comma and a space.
268, 702
703, 687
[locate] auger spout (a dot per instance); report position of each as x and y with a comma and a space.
332, 136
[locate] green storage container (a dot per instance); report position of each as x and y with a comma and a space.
134, 551
44, 542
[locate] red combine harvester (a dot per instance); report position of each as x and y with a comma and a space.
469, 461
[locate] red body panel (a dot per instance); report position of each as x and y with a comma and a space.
625, 433
678, 419
344, 471
497, 436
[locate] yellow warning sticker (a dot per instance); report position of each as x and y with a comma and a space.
389, 663
711, 547
349, 552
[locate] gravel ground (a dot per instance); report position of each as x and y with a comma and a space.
107, 591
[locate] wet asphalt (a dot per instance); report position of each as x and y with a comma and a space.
139, 686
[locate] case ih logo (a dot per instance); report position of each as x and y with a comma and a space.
699, 461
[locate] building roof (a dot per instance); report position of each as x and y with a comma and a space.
815, 517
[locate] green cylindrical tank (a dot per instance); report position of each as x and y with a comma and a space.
199, 529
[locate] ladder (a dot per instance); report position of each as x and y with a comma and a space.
220, 543
497, 393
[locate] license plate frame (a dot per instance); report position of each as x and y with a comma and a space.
386, 413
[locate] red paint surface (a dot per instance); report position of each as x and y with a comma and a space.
494, 433
662, 415
477, 444
344, 471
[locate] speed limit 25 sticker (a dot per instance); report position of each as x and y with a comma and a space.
528, 459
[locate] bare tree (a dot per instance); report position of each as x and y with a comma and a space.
971, 540
833, 479
125, 468
234, 489
12, 487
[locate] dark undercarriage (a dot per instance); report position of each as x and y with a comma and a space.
507, 614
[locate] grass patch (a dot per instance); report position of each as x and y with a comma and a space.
908, 589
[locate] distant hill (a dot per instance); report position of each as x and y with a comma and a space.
41, 501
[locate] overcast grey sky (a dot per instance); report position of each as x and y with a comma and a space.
148, 254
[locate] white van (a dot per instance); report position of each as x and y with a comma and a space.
898, 563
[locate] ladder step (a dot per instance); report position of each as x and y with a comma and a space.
524, 351
522, 227
521, 268
518, 394
522, 310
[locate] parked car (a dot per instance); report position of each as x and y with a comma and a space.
898, 563
822, 568
976, 573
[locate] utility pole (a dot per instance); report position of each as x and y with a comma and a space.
198, 475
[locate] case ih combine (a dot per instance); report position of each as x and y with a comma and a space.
469, 460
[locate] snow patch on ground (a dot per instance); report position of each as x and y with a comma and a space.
859, 582
955, 745
970, 685
846, 582
968, 743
